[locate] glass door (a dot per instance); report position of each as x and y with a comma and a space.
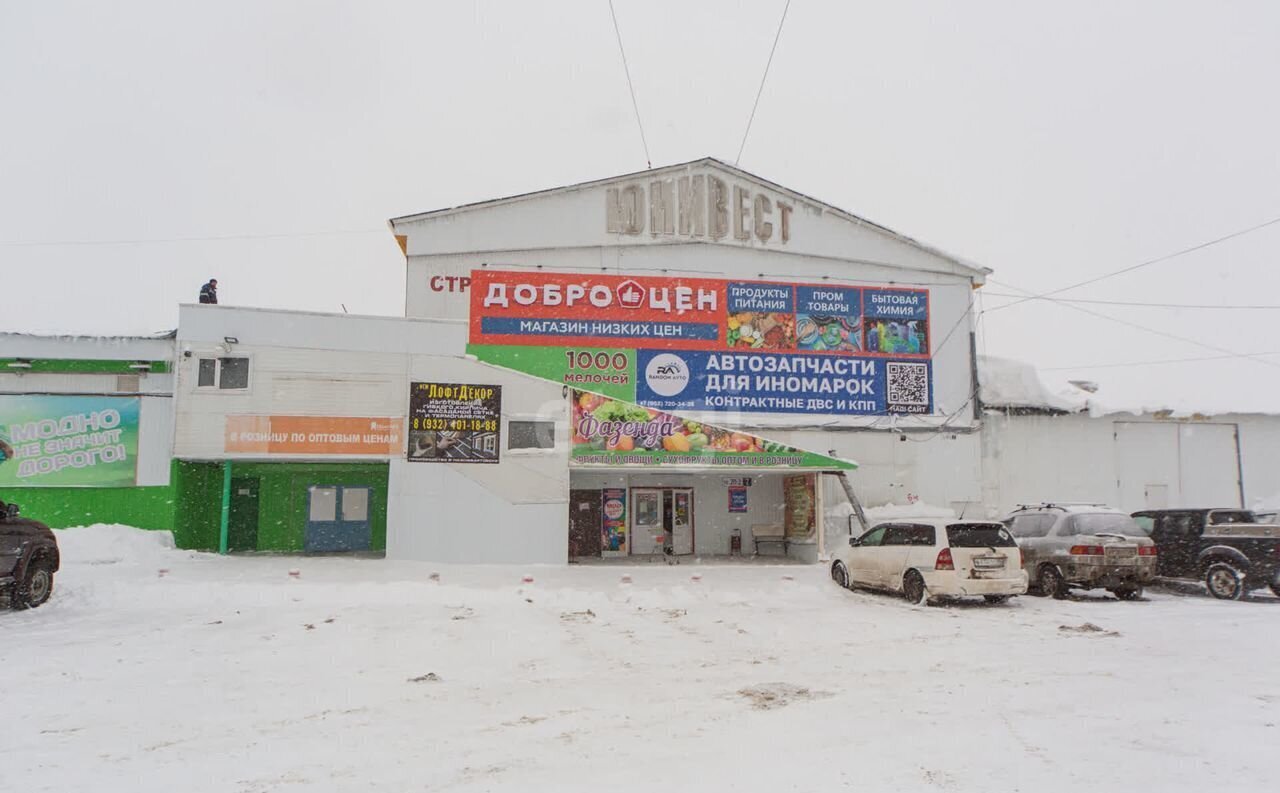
682, 521
648, 534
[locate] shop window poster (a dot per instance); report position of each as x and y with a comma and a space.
737, 499
613, 529
454, 423
799, 504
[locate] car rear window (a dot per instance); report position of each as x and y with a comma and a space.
1220, 516
1106, 523
979, 535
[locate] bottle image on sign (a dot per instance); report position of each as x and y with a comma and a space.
667, 374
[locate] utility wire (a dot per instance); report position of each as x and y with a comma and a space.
1140, 265
212, 238
630, 86
1148, 363
1139, 304
763, 78
1136, 326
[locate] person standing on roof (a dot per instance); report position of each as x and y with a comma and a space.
209, 292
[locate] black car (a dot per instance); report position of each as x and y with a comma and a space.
1228, 548
28, 559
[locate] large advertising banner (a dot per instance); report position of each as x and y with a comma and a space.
68, 441
700, 344
454, 423
335, 435
607, 432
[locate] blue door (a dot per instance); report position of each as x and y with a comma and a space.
337, 519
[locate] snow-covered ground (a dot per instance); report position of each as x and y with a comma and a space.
230, 675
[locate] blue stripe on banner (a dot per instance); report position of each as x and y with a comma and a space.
521, 326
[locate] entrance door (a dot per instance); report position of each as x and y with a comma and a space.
648, 535
681, 521
337, 519
584, 523
242, 521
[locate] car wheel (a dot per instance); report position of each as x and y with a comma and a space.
840, 575
1052, 582
1128, 592
1224, 581
36, 587
913, 588
996, 598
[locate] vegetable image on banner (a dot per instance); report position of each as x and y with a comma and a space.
68, 441
613, 433
703, 344
454, 423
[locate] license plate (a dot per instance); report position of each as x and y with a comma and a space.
1122, 553
988, 562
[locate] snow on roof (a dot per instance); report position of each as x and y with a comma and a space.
1007, 383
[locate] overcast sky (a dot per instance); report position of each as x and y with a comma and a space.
1051, 142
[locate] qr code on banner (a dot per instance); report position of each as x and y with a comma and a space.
908, 384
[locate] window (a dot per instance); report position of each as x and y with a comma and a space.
1103, 523
1145, 522
1219, 516
324, 504
531, 435
355, 503
1180, 525
979, 535
873, 537
223, 373
1034, 524
910, 534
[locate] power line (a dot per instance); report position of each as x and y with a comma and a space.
1136, 326
1139, 304
1140, 265
164, 240
763, 77
1148, 363
630, 86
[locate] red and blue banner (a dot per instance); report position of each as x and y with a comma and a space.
712, 344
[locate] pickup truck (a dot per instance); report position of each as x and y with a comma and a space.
28, 559
1230, 549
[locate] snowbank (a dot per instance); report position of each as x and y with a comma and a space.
114, 544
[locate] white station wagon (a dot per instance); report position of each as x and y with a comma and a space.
929, 558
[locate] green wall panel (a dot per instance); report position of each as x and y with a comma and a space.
61, 507
282, 500
199, 505
80, 366
191, 506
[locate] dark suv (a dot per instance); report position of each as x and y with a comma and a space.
1228, 548
28, 558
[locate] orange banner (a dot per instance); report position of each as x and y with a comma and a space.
329, 435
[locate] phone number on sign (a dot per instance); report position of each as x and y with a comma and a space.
474, 425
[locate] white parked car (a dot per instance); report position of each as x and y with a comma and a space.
929, 558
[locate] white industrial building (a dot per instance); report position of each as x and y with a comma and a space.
1066, 444
661, 363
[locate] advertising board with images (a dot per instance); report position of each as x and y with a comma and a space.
68, 441
700, 344
608, 432
454, 423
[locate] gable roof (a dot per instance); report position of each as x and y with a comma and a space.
705, 161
